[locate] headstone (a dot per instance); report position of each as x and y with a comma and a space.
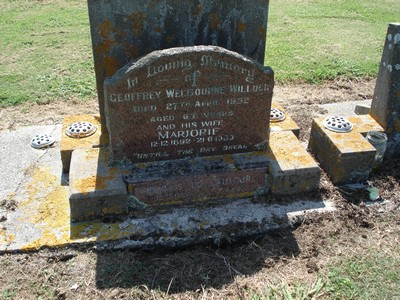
124, 30
188, 102
386, 102
185, 104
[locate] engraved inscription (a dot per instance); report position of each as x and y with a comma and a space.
171, 189
157, 69
208, 60
134, 96
188, 104
182, 93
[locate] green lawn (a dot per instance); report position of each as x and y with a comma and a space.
314, 40
45, 49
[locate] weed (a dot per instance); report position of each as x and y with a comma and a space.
285, 291
372, 275
7, 294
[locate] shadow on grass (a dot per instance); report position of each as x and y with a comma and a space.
192, 268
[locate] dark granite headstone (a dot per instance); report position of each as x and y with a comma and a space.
386, 102
124, 30
188, 102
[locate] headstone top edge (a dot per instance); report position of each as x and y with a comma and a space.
155, 55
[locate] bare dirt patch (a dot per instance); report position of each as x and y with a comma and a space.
234, 271
29, 114
299, 100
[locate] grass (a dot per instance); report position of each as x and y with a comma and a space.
315, 40
45, 55
370, 275
45, 52
374, 275
297, 291
367, 268
45, 49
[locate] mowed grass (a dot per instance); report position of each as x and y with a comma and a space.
315, 40
45, 48
45, 52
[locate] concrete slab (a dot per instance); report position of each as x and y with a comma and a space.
18, 157
95, 188
68, 144
286, 125
292, 170
346, 157
344, 108
41, 217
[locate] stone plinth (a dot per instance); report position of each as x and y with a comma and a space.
98, 190
200, 179
68, 144
346, 157
284, 169
292, 170
95, 189
386, 102
188, 102
126, 30
286, 125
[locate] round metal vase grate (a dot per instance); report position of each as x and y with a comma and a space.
277, 115
338, 124
80, 129
42, 141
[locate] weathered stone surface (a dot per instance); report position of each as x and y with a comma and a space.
291, 168
362, 109
286, 125
95, 189
68, 144
346, 157
386, 102
188, 102
198, 179
285, 168
42, 218
123, 30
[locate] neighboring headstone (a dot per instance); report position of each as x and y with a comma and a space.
124, 30
188, 102
386, 102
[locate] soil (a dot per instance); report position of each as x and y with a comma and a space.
299, 254
299, 100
